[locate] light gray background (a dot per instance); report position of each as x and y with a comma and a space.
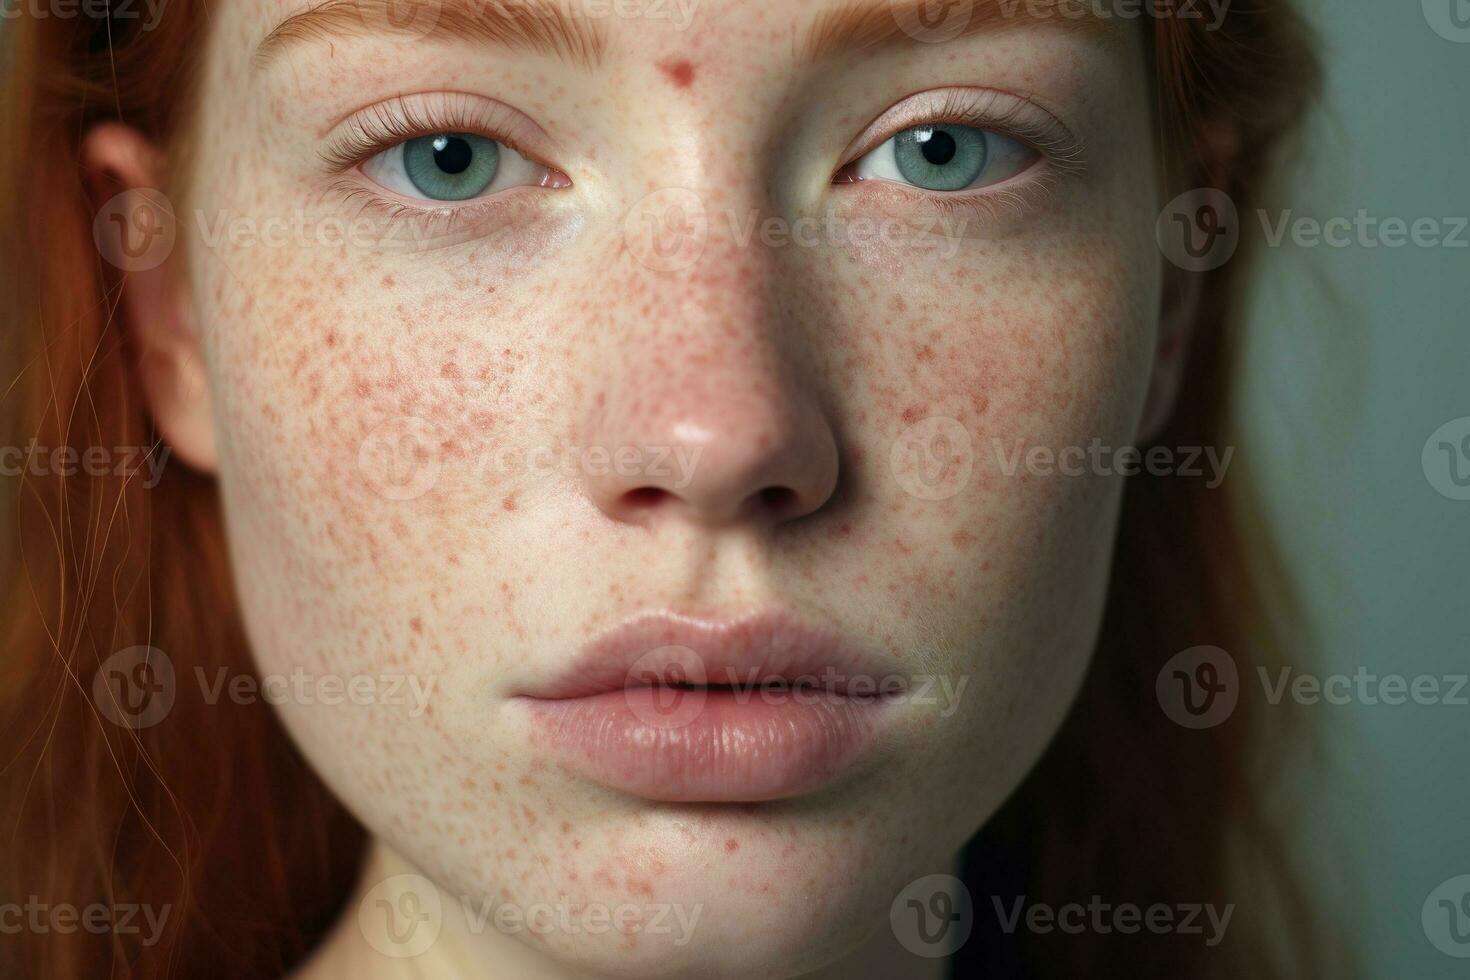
1347, 382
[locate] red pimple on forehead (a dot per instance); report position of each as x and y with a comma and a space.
680, 72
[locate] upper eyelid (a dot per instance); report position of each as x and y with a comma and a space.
1014, 115
395, 120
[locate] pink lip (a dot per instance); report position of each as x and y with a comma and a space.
679, 709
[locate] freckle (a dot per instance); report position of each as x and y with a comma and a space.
732, 845
680, 72
566, 827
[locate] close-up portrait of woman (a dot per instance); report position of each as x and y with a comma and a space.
734, 489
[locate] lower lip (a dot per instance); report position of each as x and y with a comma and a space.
709, 745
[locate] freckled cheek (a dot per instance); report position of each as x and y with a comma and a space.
329, 399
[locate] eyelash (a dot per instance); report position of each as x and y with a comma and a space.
1019, 118
389, 123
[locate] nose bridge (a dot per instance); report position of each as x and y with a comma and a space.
706, 371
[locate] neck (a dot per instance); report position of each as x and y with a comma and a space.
390, 930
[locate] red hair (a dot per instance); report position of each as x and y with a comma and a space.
215, 816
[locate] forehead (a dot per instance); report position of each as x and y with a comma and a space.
590, 32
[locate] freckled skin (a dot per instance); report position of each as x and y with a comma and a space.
539, 328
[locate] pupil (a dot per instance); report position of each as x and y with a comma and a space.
939, 148
452, 154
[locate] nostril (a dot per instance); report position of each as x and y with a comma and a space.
643, 498
777, 500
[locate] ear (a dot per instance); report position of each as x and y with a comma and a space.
135, 230
1179, 310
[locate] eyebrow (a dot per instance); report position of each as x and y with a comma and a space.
865, 25
533, 25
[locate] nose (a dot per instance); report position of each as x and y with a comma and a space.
708, 420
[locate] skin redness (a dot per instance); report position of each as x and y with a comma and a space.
565, 258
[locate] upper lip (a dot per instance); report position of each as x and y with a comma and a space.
757, 649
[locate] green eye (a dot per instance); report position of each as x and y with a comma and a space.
451, 166
944, 158
941, 158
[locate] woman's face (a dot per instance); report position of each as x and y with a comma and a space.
692, 348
